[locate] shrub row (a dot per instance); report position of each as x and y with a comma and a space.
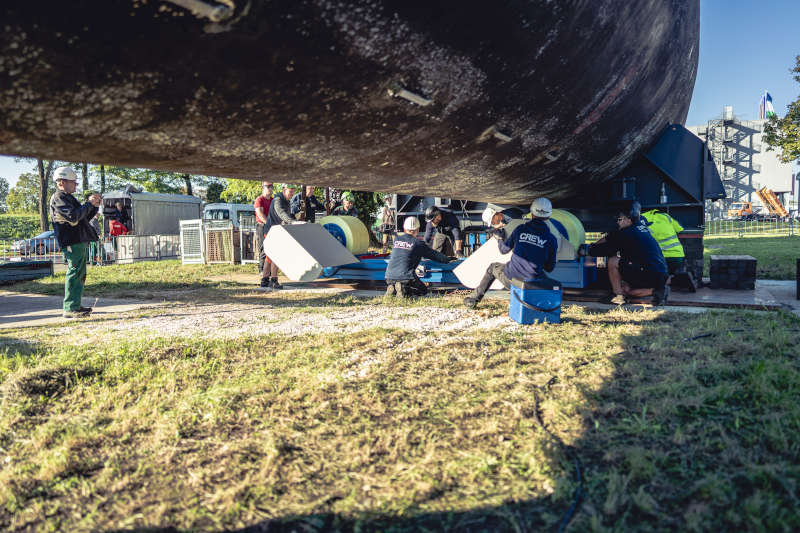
18, 226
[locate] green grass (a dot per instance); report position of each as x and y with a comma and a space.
394, 430
142, 280
776, 256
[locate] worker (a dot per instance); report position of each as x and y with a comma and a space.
665, 230
497, 220
262, 205
348, 207
534, 254
120, 214
388, 221
279, 214
640, 269
407, 252
443, 232
116, 228
312, 205
73, 232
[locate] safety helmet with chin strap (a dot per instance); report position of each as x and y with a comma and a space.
431, 213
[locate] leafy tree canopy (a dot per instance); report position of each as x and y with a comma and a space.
3, 194
24, 196
784, 133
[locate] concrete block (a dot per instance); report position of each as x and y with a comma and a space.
302, 250
471, 270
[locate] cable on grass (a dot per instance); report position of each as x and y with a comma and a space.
578, 495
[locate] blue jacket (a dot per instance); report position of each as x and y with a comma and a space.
534, 251
407, 252
635, 244
448, 225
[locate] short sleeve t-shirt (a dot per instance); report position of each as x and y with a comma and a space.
264, 204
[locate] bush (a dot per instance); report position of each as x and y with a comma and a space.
14, 227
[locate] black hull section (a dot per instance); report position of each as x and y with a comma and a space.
526, 98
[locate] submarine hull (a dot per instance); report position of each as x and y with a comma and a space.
459, 99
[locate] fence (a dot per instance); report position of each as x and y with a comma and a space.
741, 228
121, 249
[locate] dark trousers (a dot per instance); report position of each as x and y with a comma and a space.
409, 287
496, 271
263, 262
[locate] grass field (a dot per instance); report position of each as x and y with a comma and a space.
776, 256
677, 422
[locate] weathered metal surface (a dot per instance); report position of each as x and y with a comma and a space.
455, 98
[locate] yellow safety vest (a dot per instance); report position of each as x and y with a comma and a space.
665, 230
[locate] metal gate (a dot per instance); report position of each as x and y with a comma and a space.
247, 238
192, 241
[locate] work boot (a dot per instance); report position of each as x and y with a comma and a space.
615, 299
265, 282
85, 309
275, 285
470, 302
391, 290
660, 296
76, 314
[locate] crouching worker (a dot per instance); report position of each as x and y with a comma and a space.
534, 254
640, 269
407, 252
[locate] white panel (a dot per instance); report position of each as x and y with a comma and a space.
302, 250
471, 271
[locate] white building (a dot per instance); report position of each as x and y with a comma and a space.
744, 163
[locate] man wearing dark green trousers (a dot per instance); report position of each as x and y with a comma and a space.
73, 232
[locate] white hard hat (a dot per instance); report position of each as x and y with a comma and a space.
541, 208
411, 224
64, 173
487, 215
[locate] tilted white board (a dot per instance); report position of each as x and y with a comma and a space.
471, 271
301, 251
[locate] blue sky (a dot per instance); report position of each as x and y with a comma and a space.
746, 47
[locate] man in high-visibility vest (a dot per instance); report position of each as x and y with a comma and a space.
665, 230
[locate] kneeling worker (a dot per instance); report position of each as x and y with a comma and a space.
406, 255
534, 254
443, 227
641, 264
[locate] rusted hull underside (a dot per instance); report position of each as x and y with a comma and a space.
526, 97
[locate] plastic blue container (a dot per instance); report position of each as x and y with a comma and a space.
531, 303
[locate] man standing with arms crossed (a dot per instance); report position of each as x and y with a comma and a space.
73, 231
262, 205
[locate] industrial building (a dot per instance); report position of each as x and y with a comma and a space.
744, 164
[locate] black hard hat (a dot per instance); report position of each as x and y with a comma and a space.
632, 210
431, 213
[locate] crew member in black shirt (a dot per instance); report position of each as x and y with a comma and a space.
640, 265
443, 232
406, 255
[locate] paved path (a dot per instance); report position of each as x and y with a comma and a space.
22, 310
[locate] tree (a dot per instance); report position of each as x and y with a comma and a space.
3, 195
85, 176
24, 196
102, 179
213, 192
45, 173
784, 133
241, 191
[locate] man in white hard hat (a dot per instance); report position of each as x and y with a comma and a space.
534, 254
407, 252
74, 232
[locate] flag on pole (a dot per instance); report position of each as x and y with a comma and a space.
765, 109
769, 111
